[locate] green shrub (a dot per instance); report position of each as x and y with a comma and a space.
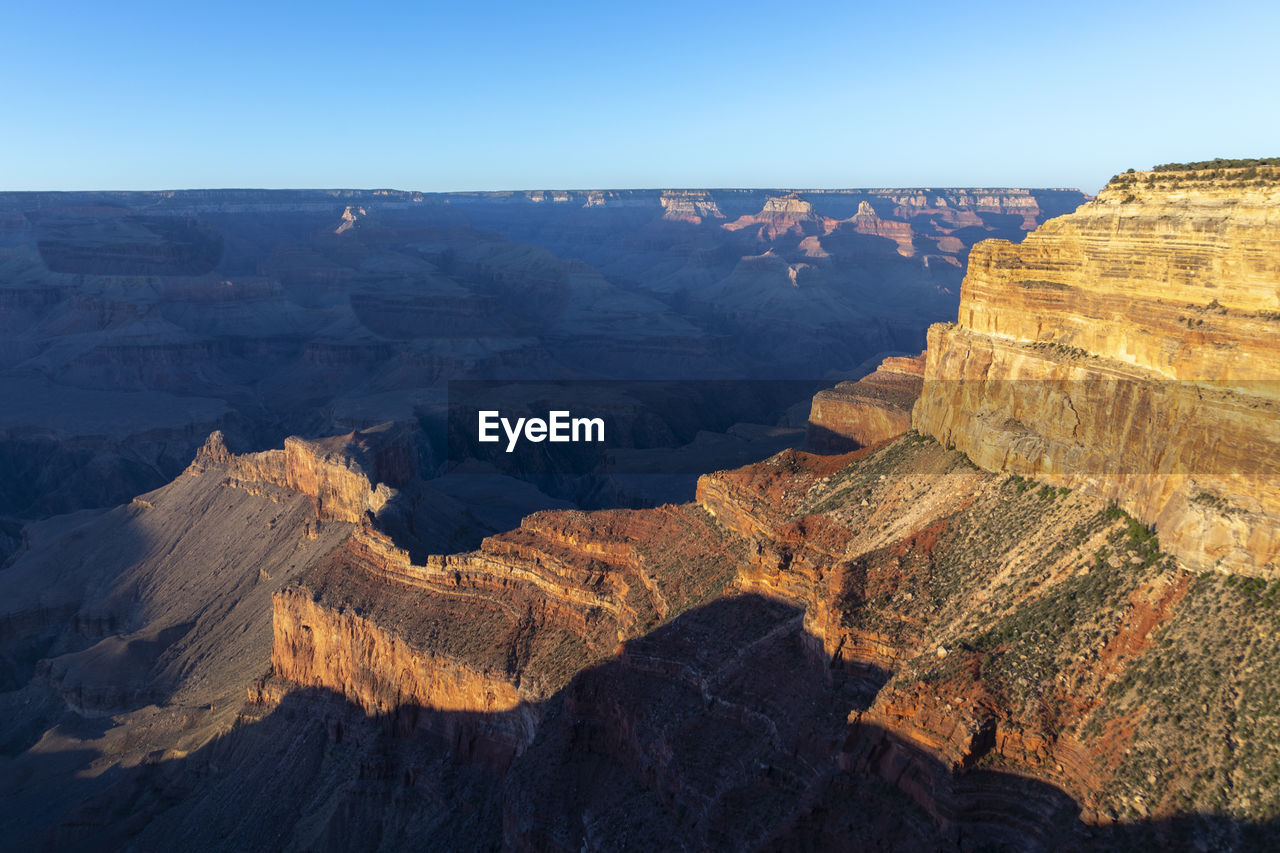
1217, 163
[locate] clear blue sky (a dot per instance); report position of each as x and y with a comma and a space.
455, 96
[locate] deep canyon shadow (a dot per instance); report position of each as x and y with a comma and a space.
725, 729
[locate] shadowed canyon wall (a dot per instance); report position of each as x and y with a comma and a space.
134, 324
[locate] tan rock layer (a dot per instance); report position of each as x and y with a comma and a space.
325, 471
326, 647
875, 408
1131, 349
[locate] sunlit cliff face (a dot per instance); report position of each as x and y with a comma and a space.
1131, 348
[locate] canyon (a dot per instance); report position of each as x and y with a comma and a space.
1017, 591
134, 324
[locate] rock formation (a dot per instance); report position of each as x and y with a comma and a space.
134, 324
866, 221
348, 477
969, 624
350, 216
781, 215
904, 644
1129, 349
534, 606
873, 409
692, 206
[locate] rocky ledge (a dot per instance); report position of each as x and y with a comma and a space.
875, 408
348, 477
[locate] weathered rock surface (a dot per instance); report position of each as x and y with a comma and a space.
348, 477
1130, 349
875, 408
885, 645
515, 620
970, 625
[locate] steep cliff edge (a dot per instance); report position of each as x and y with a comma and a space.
347, 477
970, 625
811, 634
1130, 349
517, 618
875, 408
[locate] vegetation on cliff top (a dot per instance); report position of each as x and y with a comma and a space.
1217, 163
1226, 173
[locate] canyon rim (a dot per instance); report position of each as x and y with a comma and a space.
1010, 579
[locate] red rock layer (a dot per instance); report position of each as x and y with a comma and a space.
999, 617
509, 623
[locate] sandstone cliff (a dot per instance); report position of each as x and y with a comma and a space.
875, 408
347, 477
510, 623
1130, 349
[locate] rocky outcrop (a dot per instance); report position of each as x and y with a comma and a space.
1129, 349
317, 646
866, 221
780, 215
509, 623
351, 215
348, 477
692, 206
873, 409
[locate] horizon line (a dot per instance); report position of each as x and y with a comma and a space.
672, 188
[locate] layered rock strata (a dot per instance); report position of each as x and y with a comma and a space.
760, 669
348, 477
499, 628
970, 625
810, 634
874, 408
780, 215
1130, 349
866, 221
